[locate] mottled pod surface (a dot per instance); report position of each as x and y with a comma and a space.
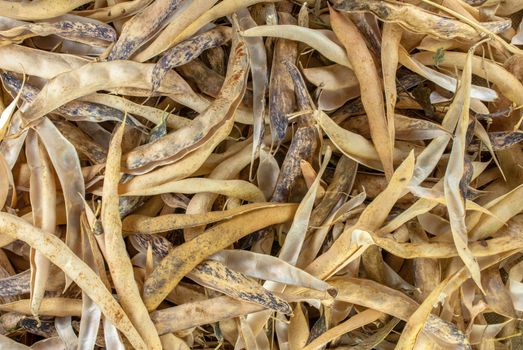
261, 174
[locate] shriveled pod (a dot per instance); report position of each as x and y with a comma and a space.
189, 50
418, 20
142, 26
69, 27
281, 87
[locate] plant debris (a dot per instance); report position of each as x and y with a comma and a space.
261, 174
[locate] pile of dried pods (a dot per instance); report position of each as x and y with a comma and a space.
261, 174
